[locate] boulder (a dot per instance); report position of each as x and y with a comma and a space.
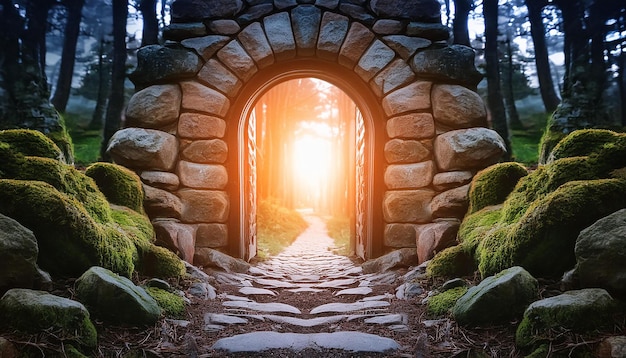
31, 143
435, 237
454, 261
405, 151
411, 126
398, 258
18, 255
154, 107
160, 180
409, 176
466, 149
190, 10
579, 311
200, 126
408, 206
202, 176
492, 185
32, 311
156, 63
442, 302
612, 347
451, 203
416, 10
177, 237
414, 97
120, 185
497, 299
212, 258
116, 299
143, 149
206, 151
180, 32
457, 107
450, 180
400, 235
601, 252
161, 203
447, 64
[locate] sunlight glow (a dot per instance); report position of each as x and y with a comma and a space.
311, 164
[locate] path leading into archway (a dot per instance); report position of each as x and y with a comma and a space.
308, 301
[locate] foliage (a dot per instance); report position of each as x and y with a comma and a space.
120, 185
171, 304
277, 227
525, 142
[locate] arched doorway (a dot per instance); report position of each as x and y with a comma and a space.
364, 215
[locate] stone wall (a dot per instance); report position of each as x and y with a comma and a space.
178, 120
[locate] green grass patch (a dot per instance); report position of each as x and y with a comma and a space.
86, 142
525, 142
277, 227
339, 229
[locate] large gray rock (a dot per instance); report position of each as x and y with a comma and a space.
601, 253
579, 311
202, 176
424, 10
177, 237
206, 151
413, 97
116, 299
204, 206
405, 151
471, 148
189, 10
453, 63
37, 311
434, 237
161, 204
398, 258
452, 203
411, 126
156, 63
457, 107
154, 107
143, 149
409, 176
408, 206
18, 255
497, 298
212, 258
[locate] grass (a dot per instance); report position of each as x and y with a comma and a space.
339, 229
86, 142
525, 142
277, 227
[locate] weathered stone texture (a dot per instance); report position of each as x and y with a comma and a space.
224, 27
254, 41
204, 99
179, 32
280, 35
392, 77
413, 97
204, 206
158, 63
451, 204
407, 206
211, 235
255, 13
434, 237
206, 46
387, 26
409, 176
432, 31
358, 39
400, 235
140, 148
406, 46
160, 180
457, 107
219, 77
177, 237
333, 31
358, 13
374, 60
426, 10
200, 126
154, 107
454, 63
238, 60
405, 151
465, 149
161, 204
411, 126
305, 20
206, 151
190, 10
202, 176
448, 180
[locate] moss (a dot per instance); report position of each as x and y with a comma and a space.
156, 261
493, 253
549, 140
476, 225
441, 303
452, 262
492, 185
582, 143
31, 143
63, 140
120, 185
136, 225
171, 304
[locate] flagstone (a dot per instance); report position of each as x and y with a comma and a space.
348, 307
355, 291
263, 307
256, 291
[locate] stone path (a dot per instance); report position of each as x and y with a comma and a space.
325, 292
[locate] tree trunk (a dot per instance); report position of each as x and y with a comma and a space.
115, 106
509, 94
150, 31
460, 32
495, 103
537, 31
68, 56
104, 83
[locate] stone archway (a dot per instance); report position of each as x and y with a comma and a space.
428, 125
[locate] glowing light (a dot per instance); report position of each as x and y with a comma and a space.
311, 164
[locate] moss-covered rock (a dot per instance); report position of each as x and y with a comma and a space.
31, 143
492, 185
157, 261
171, 304
32, 311
582, 143
120, 185
441, 303
454, 261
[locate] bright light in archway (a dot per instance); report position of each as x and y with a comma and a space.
312, 163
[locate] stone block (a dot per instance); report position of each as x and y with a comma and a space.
406, 46
409, 176
254, 41
204, 99
283, 4
280, 35
405, 151
387, 26
204, 206
178, 238
327, 4
457, 107
400, 235
206, 46
413, 97
179, 32
449, 180
466, 149
392, 77
161, 204
237, 60
255, 13
434, 237
211, 235
333, 30
206, 151
200, 126
411, 126
154, 107
202, 176
156, 63
375, 58
224, 27
221, 78
160, 180
357, 12
450, 64
407, 206
305, 20
424, 10
357, 41
140, 148
435, 31
190, 10
452, 203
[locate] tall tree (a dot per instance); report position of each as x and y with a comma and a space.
116, 97
68, 56
544, 76
495, 102
460, 30
150, 31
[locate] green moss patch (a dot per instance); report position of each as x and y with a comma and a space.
31, 143
452, 262
120, 185
171, 304
157, 261
582, 143
492, 185
440, 304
